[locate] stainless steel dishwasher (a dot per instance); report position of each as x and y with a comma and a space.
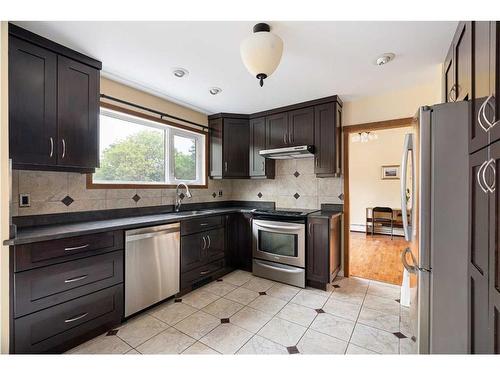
152, 266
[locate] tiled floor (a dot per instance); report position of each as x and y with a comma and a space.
244, 314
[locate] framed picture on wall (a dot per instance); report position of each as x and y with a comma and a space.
390, 172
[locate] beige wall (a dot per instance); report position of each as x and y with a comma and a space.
4, 192
366, 187
393, 104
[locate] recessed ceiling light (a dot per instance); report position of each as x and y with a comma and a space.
214, 90
385, 58
180, 72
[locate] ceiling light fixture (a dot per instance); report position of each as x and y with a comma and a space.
385, 58
180, 72
261, 52
214, 90
364, 137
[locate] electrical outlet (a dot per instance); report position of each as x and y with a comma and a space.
220, 193
24, 200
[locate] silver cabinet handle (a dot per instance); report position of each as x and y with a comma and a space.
74, 279
51, 153
64, 148
204, 243
489, 123
204, 272
76, 318
225, 166
290, 137
76, 247
410, 268
263, 166
479, 115
453, 89
284, 138
209, 242
478, 176
203, 224
489, 164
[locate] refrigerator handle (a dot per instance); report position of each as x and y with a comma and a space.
408, 146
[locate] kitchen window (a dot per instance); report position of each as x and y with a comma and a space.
136, 151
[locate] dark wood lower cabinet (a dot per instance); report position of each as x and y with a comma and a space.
323, 250
239, 241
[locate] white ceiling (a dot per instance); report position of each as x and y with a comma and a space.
319, 58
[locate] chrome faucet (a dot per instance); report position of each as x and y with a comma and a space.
180, 196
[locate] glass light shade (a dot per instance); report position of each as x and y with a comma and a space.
356, 138
372, 136
261, 53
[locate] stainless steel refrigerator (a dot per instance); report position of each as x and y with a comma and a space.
434, 201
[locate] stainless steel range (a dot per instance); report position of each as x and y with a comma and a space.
279, 245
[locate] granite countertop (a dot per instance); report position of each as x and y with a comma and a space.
325, 213
57, 231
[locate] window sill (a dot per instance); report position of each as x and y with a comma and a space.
99, 185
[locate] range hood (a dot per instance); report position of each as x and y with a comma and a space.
296, 152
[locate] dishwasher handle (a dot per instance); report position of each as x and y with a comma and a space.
143, 233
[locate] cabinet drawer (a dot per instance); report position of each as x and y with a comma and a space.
68, 324
43, 287
191, 277
200, 224
44, 253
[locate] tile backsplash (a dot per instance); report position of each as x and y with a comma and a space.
295, 186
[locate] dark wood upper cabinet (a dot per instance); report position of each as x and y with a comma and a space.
229, 147
277, 130
32, 104
236, 144
77, 113
54, 105
492, 110
449, 76
260, 167
458, 65
327, 133
215, 126
301, 127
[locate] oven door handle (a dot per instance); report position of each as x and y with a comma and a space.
279, 227
297, 270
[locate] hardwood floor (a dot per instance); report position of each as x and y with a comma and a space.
376, 257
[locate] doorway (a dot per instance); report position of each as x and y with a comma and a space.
373, 234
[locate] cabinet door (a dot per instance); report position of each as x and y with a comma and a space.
193, 253
32, 104
301, 126
478, 137
478, 256
318, 254
494, 253
259, 166
236, 148
277, 130
325, 140
215, 148
493, 111
449, 76
78, 114
463, 62
215, 244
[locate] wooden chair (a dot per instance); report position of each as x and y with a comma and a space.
383, 215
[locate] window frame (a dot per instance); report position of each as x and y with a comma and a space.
177, 129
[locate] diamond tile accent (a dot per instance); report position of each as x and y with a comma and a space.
341, 196
259, 195
296, 174
182, 195
296, 195
263, 293
67, 200
399, 335
136, 198
177, 300
320, 311
336, 286
397, 300
219, 280
214, 195
113, 332
224, 320
292, 350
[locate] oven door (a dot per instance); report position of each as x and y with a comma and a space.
280, 242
